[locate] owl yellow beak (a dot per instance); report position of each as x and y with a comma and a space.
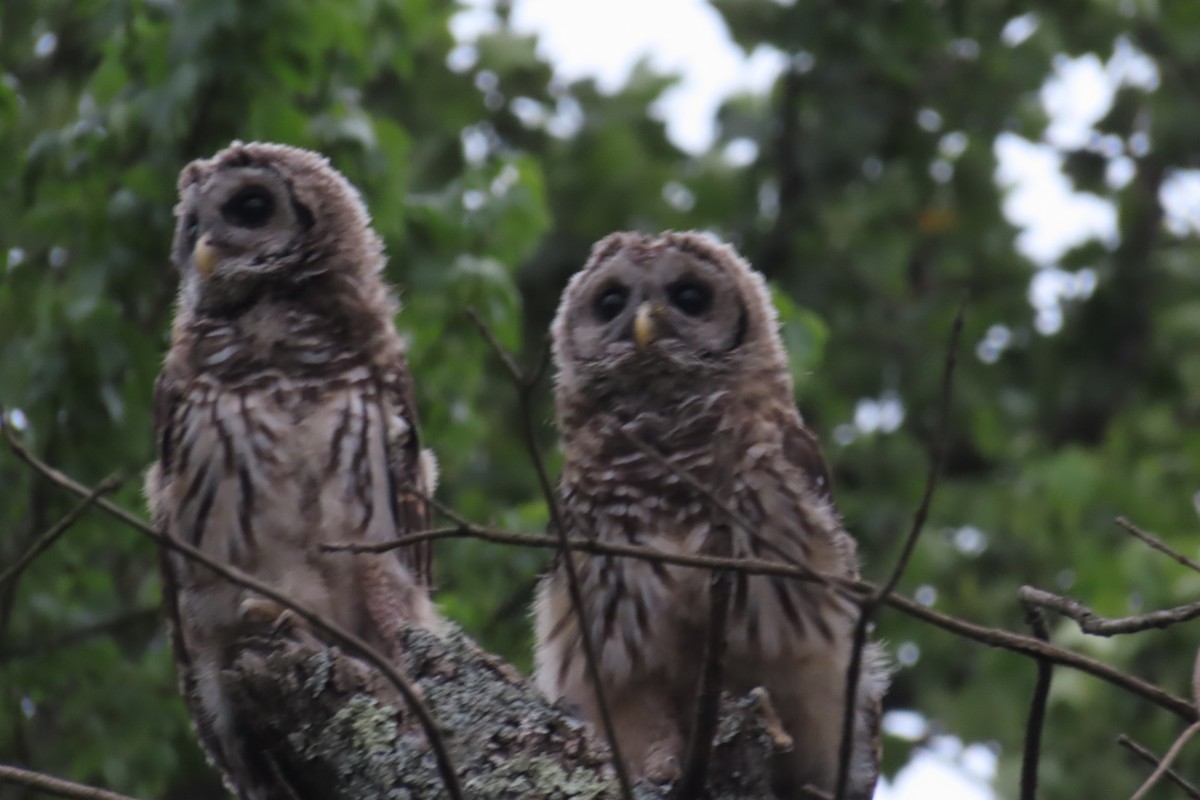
206, 256
643, 325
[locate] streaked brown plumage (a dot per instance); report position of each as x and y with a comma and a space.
285, 418
673, 339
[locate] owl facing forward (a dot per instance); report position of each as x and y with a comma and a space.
671, 342
285, 418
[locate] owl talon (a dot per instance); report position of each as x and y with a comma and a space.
663, 769
286, 624
261, 615
781, 740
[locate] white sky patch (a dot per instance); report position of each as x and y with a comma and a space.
1077, 95
689, 38
1181, 201
604, 40
947, 772
1041, 201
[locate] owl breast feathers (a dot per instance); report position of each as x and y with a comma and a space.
285, 418
671, 342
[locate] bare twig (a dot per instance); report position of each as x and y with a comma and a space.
1151, 759
45, 540
938, 456
524, 388
868, 606
55, 786
339, 635
708, 698
1037, 709
467, 530
1157, 544
1034, 648
1165, 764
1091, 622
992, 637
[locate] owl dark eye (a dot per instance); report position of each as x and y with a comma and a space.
690, 297
610, 302
251, 207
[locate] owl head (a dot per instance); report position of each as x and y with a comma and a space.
663, 316
258, 216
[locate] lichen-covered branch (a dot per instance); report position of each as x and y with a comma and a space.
341, 732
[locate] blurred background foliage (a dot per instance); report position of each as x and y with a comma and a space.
863, 184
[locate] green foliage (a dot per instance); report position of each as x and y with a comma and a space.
489, 179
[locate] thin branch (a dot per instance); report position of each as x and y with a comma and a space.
525, 388
1151, 759
708, 697
339, 635
1034, 648
1158, 544
867, 607
1037, 709
1091, 622
992, 637
55, 786
510, 364
935, 462
1165, 764
45, 540
463, 529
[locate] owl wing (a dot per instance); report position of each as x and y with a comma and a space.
168, 396
411, 471
802, 448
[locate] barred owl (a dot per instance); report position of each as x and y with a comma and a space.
672, 341
285, 418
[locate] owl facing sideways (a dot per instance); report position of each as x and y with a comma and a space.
671, 342
285, 418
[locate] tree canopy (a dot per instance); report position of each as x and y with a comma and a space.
863, 184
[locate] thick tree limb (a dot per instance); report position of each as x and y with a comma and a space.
341, 730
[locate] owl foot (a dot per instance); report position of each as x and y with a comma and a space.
781, 740
261, 616
662, 768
